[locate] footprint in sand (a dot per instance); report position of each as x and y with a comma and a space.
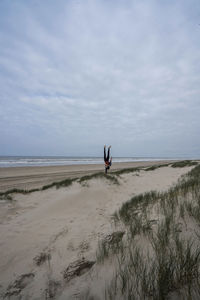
101, 211
18, 285
84, 246
77, 268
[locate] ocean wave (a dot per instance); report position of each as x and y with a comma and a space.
58, 161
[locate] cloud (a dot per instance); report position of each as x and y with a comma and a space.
95, 72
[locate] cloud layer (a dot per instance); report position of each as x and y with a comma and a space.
78, 74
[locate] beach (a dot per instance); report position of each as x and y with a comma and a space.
49, 238
34, 177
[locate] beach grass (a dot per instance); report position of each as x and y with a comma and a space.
59, 184
110, 244
6, 197
18, 191
100, 175
63, 183
154, 167
184, 163
168, 265
125, 171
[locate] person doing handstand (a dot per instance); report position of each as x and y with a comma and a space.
107, 159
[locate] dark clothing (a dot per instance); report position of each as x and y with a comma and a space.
107, 160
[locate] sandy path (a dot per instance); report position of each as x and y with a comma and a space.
34, 177
67, 223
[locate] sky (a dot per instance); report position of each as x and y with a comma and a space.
78, 74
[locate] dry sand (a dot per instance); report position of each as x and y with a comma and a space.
65, 224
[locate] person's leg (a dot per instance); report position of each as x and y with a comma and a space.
108, 155
104, 153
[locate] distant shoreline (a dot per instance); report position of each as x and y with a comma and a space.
42, 161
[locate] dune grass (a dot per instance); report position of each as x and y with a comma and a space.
129, 208
63, 183
178, 164
58, 184
154, 167
109, 245
169, 264
125, 171
6, 197
108, 177
18, 191
184, 163
138, 169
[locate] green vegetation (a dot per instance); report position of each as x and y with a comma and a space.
141, 201
41, 258
63, 183
58, 184
110, 244
178, 164
184, 163
154, 167
19, 191
6, 197
111, 178
157, 259
125, 171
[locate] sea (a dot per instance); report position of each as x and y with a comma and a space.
25, 161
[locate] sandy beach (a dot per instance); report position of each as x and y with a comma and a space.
45, 235
34, 177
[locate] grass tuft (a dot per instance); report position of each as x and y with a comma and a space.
58, 184
41, 258
169, 265
125, 171
128, 209
6, 197
184, 163
109, 245
111, 178
152, 168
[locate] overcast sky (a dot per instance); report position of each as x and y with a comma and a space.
75, 75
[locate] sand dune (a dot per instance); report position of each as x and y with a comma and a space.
46, 234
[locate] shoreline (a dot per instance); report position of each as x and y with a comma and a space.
40, 161
38, 176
